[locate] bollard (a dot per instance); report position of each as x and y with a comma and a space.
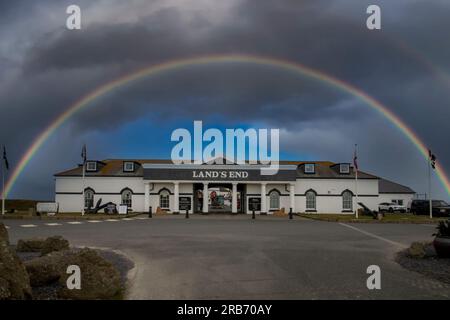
290, 213
253, 214
150, 212
187, 213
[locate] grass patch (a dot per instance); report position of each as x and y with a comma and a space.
388, 218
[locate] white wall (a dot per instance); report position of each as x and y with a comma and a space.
329, 199
69, 191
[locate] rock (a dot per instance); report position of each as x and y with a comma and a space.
43, 270
3, 234
14, 280
99, 278
30, 245
56, 243
417, 250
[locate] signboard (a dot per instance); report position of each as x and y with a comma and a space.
185, 203
123, 209
235, 173
254, 204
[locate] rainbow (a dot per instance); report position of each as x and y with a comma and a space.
152, 70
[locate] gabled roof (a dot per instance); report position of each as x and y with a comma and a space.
114, 167
387, 186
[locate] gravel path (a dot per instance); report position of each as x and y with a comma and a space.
430, 266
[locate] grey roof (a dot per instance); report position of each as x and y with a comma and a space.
330, 170
387, 186
114, 167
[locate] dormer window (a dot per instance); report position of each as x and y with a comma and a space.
344, 168
91, 166
310, 168
128, 166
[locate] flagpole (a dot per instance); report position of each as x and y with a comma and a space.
83, 202
429, 189
3, 188
356, 182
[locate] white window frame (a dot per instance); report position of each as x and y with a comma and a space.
164, 195
310, 165
347, 204
344, 168
125, 164
277, 199
89, 195
89, 163
308, 201
128, 202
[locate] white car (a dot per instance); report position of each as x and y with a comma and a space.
391, 207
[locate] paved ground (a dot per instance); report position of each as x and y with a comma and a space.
233, 257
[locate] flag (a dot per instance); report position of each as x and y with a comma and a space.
84, 154
5, 159
432, 159
355, 160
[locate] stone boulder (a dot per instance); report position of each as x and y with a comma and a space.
55, 243
417, 250
99, 278
43, 270
30, 245
3, 234
14, 280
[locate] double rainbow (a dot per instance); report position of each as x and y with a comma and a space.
152, 70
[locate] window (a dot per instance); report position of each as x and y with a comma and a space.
88, 198
309, 168
344, 168
398, 201
274, 197
347, 201
128, 166
164, 199
126, 197
310, 200
91, 166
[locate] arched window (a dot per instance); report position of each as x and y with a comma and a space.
88, 198
347, 201
310, 200
164, 199
126, 197
274, 202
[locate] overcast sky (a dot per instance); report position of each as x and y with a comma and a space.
46, 68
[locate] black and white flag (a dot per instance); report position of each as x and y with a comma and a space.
84, 154
5, 158
432, 159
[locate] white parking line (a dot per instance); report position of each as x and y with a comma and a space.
141, 218
93, 221
111, 220
75, 222
128, 219
28, 225
374, 235
53, 224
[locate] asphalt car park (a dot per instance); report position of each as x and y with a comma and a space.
235, 257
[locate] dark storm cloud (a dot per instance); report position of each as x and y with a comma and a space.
59, 66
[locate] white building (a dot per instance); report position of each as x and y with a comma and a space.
319, 187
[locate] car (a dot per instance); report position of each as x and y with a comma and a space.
391, 207
422, 207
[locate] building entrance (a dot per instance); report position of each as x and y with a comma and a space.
219, 198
